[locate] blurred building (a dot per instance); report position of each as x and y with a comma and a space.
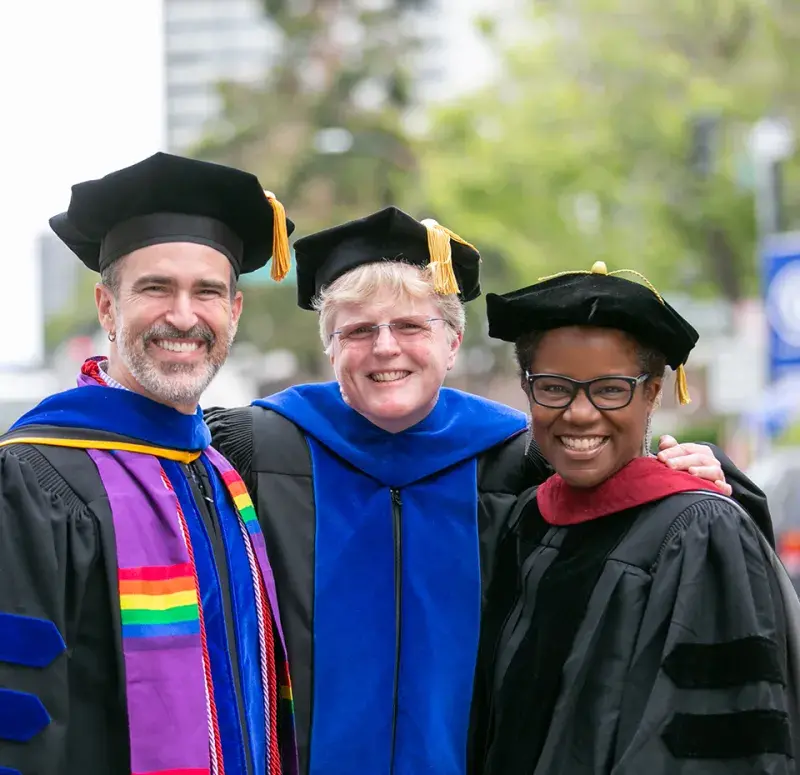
459, 58
59, 274
212, 41
208, 42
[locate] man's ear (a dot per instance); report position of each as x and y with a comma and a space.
106, 312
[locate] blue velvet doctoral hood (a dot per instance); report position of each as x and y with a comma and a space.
123, 412
460, 427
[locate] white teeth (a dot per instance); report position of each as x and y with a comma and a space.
582, 443
177, 347
388, 376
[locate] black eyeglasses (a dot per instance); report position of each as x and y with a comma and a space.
605, 393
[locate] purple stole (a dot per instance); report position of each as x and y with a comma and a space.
171, 710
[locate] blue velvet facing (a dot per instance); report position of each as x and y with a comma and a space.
230, 724
9, 771
27, 641
22, 716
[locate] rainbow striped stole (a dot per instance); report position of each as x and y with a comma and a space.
242, 500
158, 601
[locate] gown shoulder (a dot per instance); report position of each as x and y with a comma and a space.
232, 435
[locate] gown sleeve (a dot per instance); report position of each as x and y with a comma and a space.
709, 689
47, 548
745, 492
232, 435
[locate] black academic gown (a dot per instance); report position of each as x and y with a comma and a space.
273, 457
58, 564
652, 640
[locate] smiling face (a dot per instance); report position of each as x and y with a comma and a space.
583, 444
174, 317
391, 379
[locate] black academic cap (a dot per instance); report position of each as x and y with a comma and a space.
595, 298
387, 235
168, 198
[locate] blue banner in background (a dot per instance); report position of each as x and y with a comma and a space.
781, 287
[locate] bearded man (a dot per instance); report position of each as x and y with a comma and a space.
139, 629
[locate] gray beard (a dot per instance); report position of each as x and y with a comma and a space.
177, 383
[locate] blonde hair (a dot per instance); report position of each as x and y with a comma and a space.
401, 280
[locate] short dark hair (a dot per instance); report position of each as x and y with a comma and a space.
110, 278
651, 361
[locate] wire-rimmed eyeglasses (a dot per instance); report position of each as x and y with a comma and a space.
554, 391
402, 330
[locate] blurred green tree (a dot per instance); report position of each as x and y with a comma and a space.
617, 131
78, 317
326, 130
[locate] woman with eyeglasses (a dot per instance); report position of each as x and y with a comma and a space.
381, 496
639, 621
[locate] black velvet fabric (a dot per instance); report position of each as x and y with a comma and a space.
166, 184
592, 300
722, 665
728, 735
387, 235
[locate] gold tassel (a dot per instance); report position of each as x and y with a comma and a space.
281, 253
681, 387
441, 254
